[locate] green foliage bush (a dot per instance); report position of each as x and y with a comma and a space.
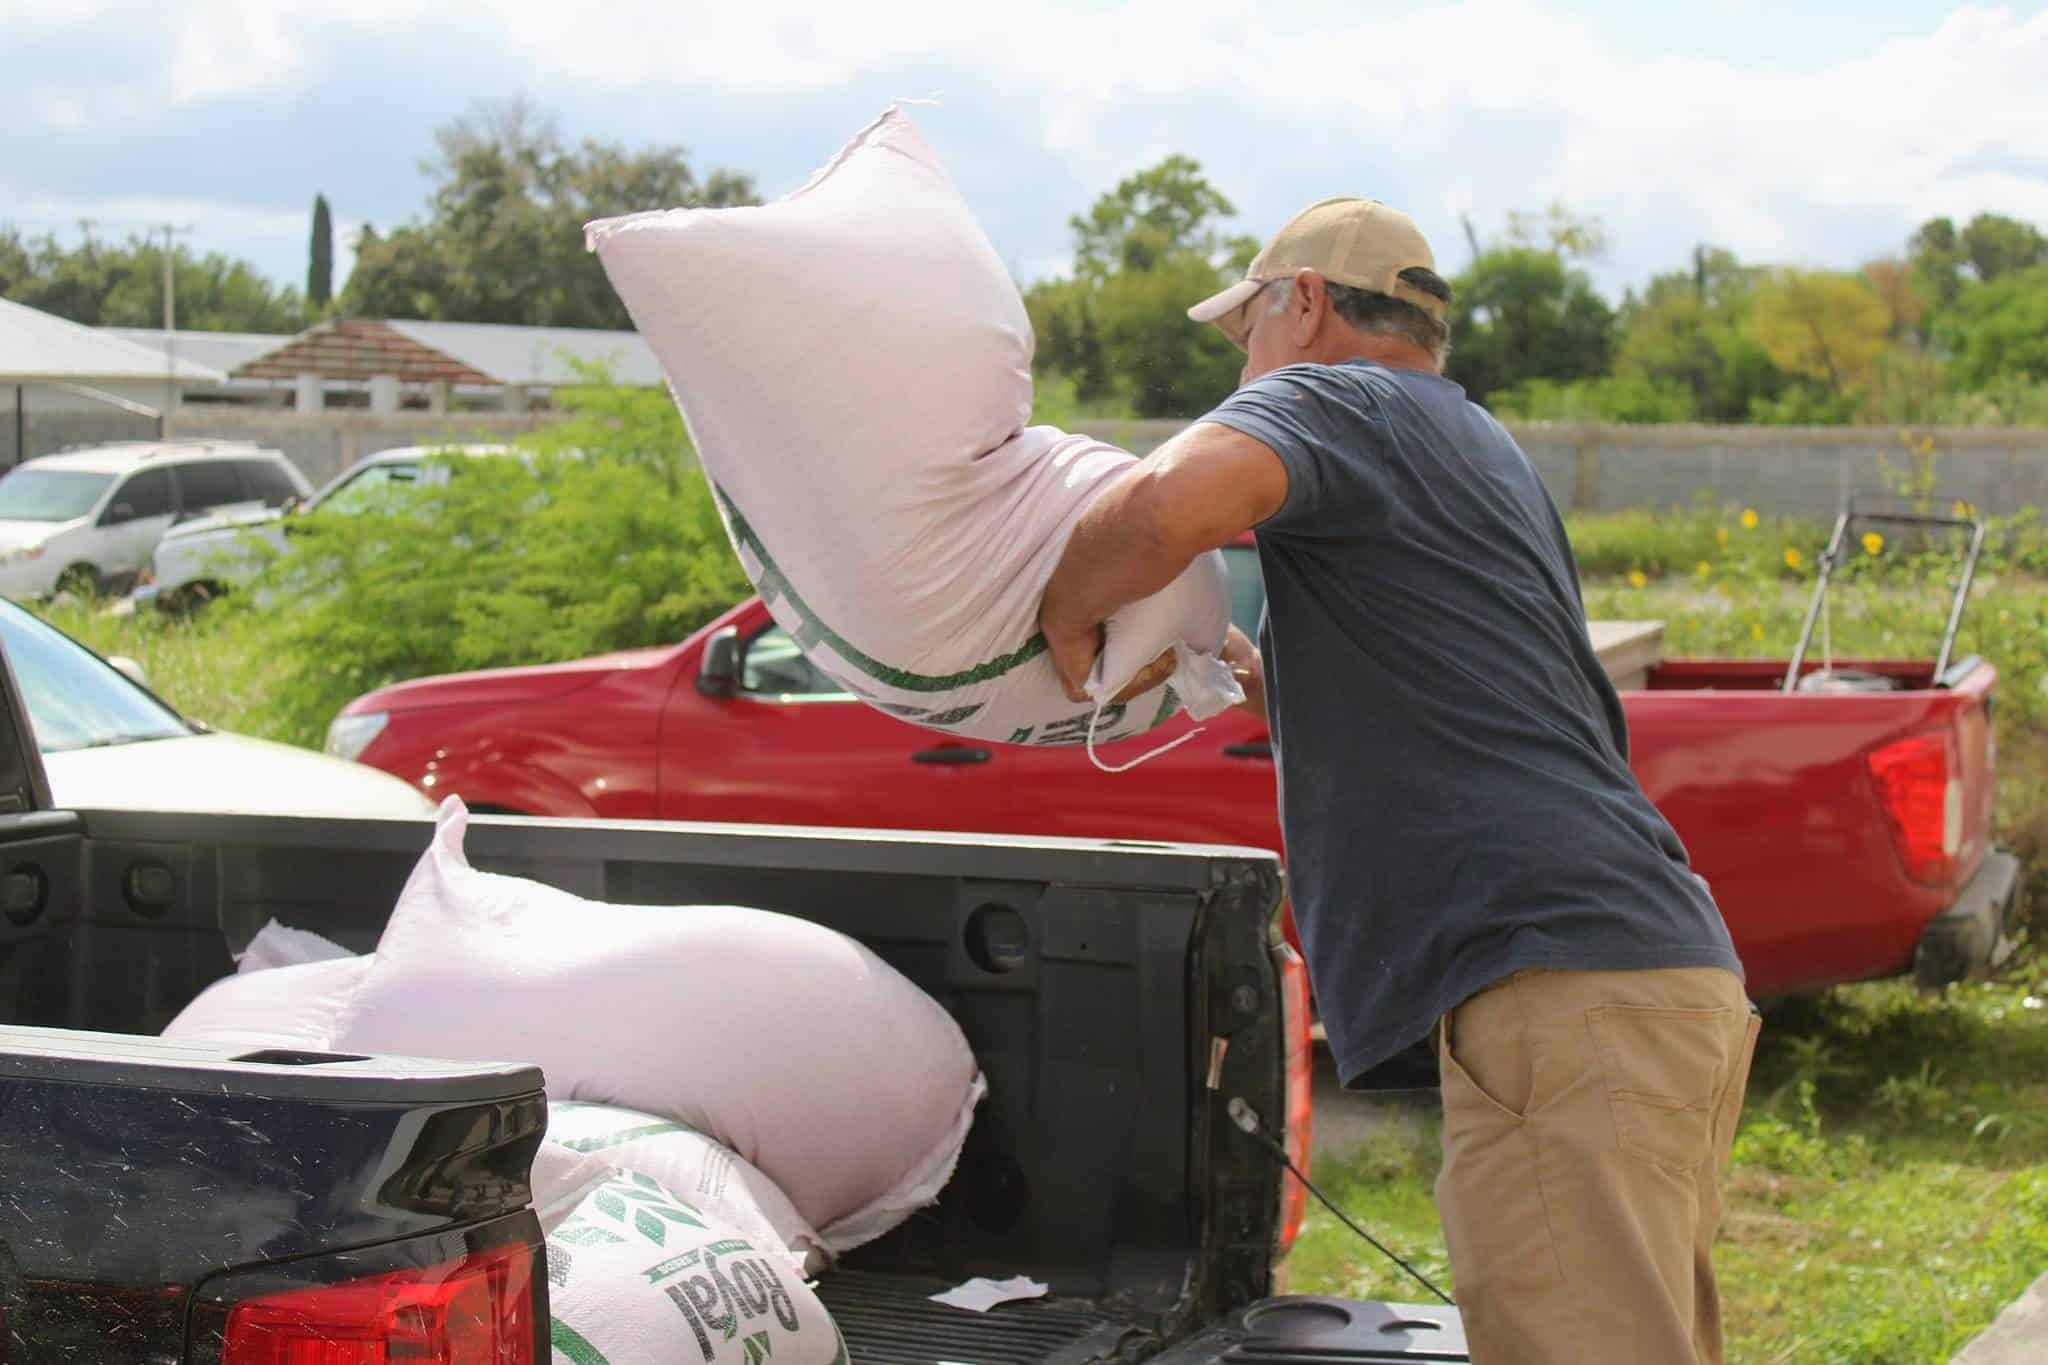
601, 535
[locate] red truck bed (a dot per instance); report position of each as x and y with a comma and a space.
1847, 834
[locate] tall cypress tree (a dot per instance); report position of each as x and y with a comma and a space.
320, 269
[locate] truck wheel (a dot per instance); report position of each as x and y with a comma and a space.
186, 599
80, 580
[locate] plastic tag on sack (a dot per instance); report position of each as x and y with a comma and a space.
1204, 683
981, 1294
280, 945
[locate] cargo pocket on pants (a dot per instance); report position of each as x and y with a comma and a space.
1664, 1069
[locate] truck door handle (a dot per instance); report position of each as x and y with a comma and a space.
952, 757
1258, 748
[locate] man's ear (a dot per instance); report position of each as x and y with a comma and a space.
1311, 308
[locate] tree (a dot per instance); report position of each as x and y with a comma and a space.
1936, 252
320, 262
1823, 326
503, 237
1521, 313
1143, 253
1999, 330
1559, 231
1996, 246
1149, 218
1689, 328
1905, 303
103, 285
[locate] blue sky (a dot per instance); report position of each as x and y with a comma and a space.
1787, 132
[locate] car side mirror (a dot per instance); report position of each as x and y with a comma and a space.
128, 669
291, 504
119, 513
718, 674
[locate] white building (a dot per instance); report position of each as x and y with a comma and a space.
437, 366
62, 384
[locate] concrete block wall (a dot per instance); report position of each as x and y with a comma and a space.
1799, 471
325, 443
1802, 471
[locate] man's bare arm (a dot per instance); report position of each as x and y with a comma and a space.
1201, 490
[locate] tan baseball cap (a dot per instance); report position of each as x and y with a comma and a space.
1359, 242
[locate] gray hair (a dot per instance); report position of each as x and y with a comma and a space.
1384, 315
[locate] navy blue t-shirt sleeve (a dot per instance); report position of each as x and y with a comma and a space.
1327, 430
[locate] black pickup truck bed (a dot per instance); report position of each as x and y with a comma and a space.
1118, 997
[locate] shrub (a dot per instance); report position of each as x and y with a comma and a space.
601, 536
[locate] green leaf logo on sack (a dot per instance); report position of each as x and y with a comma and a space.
637, 1202
615, 1301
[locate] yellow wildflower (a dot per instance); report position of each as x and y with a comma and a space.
1721, 534
1873, 543
1793, 559
1703, 569
1749, 518
1757, 631
1638, 579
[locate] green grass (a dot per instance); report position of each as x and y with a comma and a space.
1890, 1191
216, 667
1888, 1195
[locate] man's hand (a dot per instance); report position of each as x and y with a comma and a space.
1249, 669
1073, 657
1199, 491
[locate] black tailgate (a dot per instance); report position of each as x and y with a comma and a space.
133, 1168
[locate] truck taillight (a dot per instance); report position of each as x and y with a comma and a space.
475, 1310
1295, 1024
1920, 784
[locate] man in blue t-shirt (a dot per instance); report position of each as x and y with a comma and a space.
1469, 854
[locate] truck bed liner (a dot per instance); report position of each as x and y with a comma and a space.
891, 1320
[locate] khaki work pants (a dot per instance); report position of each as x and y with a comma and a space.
1587, 1122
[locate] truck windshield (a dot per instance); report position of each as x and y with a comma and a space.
1247, 589
31, 494
75, 701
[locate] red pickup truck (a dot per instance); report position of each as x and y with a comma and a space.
1844, 821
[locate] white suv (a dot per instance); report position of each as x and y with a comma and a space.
89, 520
203, 558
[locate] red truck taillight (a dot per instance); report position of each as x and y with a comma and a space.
1920, 784
475, 1310
1295, 1024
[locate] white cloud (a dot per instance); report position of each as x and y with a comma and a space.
200, 221
1474, 105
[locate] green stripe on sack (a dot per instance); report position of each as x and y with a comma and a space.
567, 1341
773, 583
597, 1142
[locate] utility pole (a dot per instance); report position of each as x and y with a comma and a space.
171, 234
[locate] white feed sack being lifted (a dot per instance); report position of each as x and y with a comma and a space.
854, 364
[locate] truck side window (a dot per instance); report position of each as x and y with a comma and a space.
147, 494
207, 484
772, 665
1247, 588
268, 482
